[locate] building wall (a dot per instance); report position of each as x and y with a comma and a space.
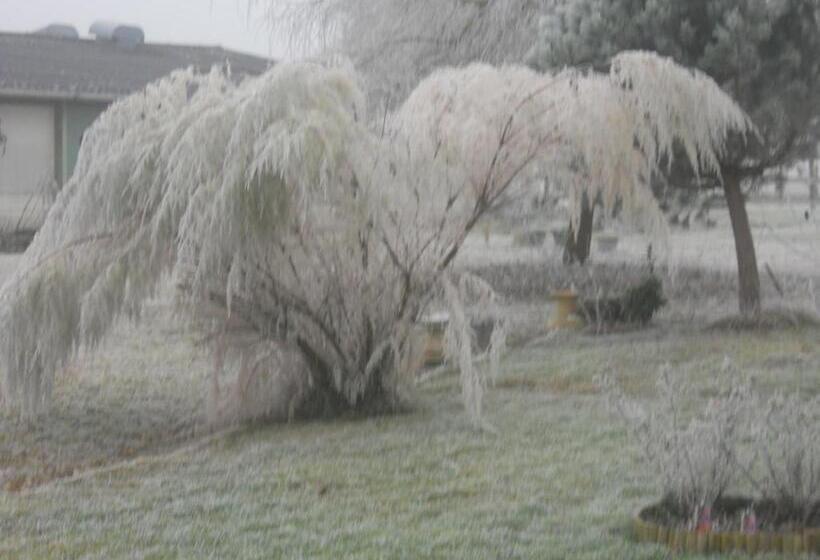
43, 142
27, 165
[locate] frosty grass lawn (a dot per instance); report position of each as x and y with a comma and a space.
559, 479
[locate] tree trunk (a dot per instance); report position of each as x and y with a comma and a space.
780, 183
748, 276
324, 401
577, 246
812, 183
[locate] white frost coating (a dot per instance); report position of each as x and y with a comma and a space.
589, 132
694, 457
280, 213
681, 105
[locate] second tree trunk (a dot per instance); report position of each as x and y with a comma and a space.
748, 276
578, 246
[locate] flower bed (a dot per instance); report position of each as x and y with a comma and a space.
730, 528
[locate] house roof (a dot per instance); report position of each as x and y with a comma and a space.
49, 67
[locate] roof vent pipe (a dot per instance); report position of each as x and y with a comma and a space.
127, 36
59, 30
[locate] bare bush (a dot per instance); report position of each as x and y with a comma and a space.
785, 436
738, 435
694, 456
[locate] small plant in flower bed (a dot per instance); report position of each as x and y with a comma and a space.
695, 456
637, 305
784, 463
732, 514
738, 436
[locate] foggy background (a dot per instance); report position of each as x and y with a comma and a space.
196, 22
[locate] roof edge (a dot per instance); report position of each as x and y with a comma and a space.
199, 46
35, 95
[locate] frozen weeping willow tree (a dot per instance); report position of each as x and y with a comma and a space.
600, 134
310, 245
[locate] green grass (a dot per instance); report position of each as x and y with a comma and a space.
558, 479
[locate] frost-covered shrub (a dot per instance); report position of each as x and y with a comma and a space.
644, 300
693, 454
737, 436
637, 305
784, 464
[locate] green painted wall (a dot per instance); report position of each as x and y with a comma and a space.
76, 118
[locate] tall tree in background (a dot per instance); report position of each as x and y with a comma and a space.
396, 43
764, 53
3, 140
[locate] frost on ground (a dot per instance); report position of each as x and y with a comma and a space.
134, 395
786, 235
141, 393
559, 478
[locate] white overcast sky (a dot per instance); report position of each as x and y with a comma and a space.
206, 22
